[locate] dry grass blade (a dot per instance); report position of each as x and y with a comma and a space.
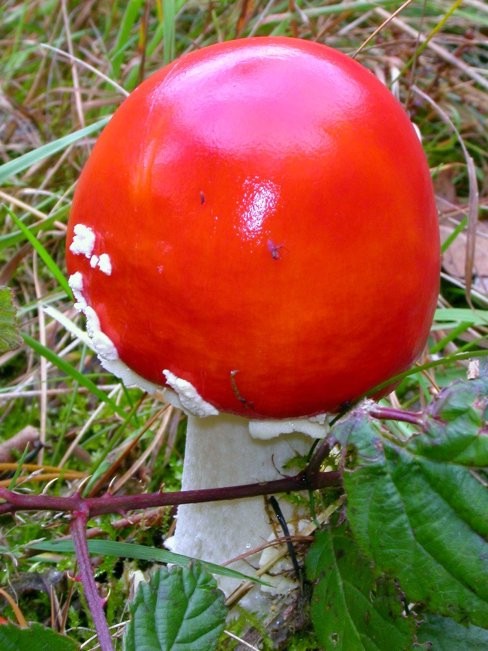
43, 362
85, 65
473, 204
74, 71
165, 416
437, 49
375, 32
13, 604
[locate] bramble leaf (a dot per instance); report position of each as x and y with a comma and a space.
9, 333
34, 638
444, 634
180, 609
456, 428
351, 608
418, 508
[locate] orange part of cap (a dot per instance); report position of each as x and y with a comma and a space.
270, 221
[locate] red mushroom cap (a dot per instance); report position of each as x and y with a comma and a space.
269, 229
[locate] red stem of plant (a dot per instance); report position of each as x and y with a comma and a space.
78, 533
94, 506
389, 413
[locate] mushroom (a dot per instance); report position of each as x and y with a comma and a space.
256, 231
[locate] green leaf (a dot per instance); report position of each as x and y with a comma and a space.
43, 253
21, 163
34, 638
351, 609
9, 333
418, 509
444, 634
169, 21
141, 552
445, 361
71, 372
180, 609
126, 32
454, 428
461, 315
13, 237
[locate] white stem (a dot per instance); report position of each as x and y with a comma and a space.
221, 452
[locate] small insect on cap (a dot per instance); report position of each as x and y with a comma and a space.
258, 221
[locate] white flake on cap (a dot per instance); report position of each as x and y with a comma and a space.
103, 262
191, 401
75, 281
83, 244
316, 427
83, 241
104, 347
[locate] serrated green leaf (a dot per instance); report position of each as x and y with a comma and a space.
454, 428
457, 400
418, 510
180, 609
9, 333
444, 634
351, 609
34, 638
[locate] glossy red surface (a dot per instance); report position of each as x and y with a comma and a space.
270, 218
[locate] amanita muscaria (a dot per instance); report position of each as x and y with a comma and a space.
256, 229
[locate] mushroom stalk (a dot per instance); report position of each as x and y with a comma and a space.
220, 451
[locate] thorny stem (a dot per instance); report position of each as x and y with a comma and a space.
321, 452
388, 413
94, 506
78, 533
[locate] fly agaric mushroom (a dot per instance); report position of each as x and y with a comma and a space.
256, 230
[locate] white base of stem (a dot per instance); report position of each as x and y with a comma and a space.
221, 452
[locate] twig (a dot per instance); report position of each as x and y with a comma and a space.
94, 506
474, 198
389, 413
321, 452
14, 606
439, 50
78, 533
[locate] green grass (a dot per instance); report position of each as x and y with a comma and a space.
64, 69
